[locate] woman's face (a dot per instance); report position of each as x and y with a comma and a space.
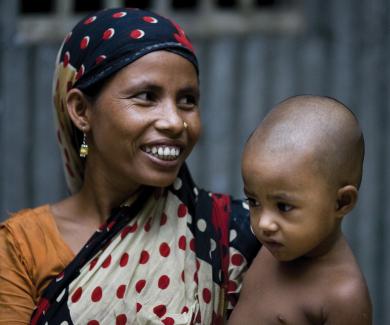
137, 131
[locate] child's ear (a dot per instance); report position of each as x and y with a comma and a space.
78, 109
346, 199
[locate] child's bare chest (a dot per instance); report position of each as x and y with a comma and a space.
271, 296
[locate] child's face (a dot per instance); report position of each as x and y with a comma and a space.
292, 207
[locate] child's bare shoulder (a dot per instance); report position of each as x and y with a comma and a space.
348, 300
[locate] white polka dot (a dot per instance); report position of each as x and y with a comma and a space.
196, 192
201, 224
189, 219
64, 323
177, 184
210, 194
46, 323
61, 295
233, 234
245, 205
213, 246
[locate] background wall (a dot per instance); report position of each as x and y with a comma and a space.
342, 51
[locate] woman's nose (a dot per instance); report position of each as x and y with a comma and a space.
170, 120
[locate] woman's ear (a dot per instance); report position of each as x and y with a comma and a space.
346, 200
78, 108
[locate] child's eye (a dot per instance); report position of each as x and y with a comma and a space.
252, 202
284, 207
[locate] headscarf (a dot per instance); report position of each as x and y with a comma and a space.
172, 255
100, 45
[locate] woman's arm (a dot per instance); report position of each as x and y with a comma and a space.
16, 287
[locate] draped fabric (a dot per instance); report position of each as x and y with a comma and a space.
172, 255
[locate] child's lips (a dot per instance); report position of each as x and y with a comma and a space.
272, 245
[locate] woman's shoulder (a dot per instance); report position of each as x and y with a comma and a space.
32, 222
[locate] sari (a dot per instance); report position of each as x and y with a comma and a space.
173, 255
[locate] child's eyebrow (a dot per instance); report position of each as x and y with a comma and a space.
282, 197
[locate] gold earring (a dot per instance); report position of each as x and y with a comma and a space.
84, 147
185, 125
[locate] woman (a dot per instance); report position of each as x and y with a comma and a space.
137, 242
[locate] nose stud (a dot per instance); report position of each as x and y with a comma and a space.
185, 125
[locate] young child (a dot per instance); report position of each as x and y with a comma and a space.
302, 169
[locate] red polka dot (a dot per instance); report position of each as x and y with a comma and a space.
192, 244
93, 322
84, 42
124, 259
182, 243
138, 307
110, 225
89, 20
149, 19
108, 33
100, 59
119, 14
196, 280
129, 229
93, 263
66, 58
164, 249
182, 276
160, 310
232, 286
77, 295
147, 225
80, 72
184, 310
107, 262
163, 219
144, 258
120, 292
60, 276
198, 318
140, 285
237, 259
182, 210
206, 295
197, 263
137, 33
121, 319
168, 321
163, 282
97, 294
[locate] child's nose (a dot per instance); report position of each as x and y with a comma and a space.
267, 224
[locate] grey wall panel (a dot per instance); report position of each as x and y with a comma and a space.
343, 53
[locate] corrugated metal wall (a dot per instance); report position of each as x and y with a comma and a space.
343, 52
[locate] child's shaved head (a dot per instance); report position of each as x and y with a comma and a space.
319, 128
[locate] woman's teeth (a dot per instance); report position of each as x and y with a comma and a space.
163, 152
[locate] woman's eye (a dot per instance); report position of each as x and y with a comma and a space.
284, 207
146, 96
188, 102
252, 202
